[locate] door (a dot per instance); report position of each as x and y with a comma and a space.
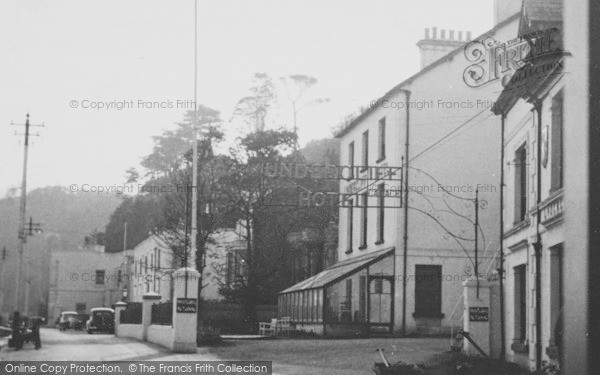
381, 303
428, 291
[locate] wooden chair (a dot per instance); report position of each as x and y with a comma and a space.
284, 326
268, 329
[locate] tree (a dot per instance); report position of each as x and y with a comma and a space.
296, 86
164, 206
253, 108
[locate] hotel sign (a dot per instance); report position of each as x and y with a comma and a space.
479, 314
187, 305
332, 172
362, 182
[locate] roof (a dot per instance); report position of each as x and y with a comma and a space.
102, 309
401, 86
529, 79
338, 271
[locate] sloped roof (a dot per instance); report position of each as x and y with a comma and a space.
338, 270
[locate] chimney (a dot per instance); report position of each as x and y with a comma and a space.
434, 48
504, 9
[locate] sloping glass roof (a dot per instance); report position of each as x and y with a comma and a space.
338, 270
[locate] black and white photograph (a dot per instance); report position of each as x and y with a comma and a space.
300, 187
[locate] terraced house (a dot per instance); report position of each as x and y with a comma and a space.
531, 111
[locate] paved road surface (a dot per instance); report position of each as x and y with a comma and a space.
79, 346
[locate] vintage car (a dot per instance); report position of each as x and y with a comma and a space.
102, 319
69, 319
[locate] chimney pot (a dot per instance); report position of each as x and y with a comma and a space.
426, 33
434, 30
442, 34
460, 35
451, 34
468, 36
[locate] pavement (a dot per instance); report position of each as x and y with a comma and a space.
79, 346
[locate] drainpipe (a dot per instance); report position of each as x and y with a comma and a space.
405, 252
538, 244
501, 269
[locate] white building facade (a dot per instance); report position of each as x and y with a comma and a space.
406, 247
531, 108
83, 279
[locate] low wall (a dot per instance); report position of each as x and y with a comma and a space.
231, 318
311, 328
161, 335
135, 331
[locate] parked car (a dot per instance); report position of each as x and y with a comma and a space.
102, 319
83, 318
68, 319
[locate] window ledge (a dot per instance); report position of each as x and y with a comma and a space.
517, 227
349, 251
380, 159
428, 315
519, 347
379, 242
362, 247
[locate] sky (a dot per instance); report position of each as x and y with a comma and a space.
61, 58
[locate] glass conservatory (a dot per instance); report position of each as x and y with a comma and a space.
352, 297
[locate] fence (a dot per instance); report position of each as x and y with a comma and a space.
231, 318
132, 314
162, 313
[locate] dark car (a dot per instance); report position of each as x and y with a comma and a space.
102, 319
82, 320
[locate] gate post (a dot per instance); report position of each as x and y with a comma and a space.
185, 310
478, 316
119, 306
148, 299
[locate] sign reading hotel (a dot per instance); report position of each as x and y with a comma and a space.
381, 181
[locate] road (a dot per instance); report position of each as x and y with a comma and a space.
79, 346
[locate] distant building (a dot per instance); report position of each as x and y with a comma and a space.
83, 279
150, 265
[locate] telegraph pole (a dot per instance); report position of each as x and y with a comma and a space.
476, 238
32, 228
22, 212
2, 260
195, 147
